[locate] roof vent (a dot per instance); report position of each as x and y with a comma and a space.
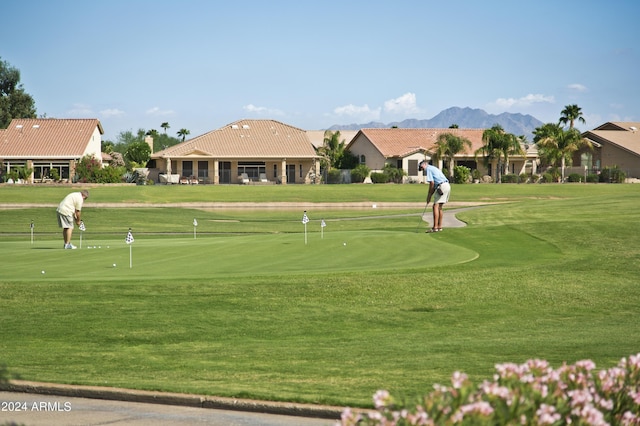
36, 126
19, 126
633, 128
245, 126
234, 126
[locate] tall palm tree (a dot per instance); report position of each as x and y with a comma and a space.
570, 114
557, 144
332, 149
448, 145
499, 145
183, 133
165, 126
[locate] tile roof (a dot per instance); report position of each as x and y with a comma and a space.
621, 134
47, 138
395, 142
246, 139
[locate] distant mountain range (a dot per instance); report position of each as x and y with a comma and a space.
465, 118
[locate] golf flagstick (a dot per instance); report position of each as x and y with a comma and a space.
32, 232
305, 220
322, 225
82, 229
195, 225
129, 240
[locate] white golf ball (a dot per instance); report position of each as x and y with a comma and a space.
43, 272
114, 265
344, 244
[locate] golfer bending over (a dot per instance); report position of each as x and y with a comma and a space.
438, 185
68, 213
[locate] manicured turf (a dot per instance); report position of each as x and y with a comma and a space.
248, 309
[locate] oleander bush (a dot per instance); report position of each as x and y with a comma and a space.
532, 393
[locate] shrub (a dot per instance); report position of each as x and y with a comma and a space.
530, 393
54, 174
379, 177
334, 176
612, 174
547, 177
593, 178
575, 177
359, 173
461, 174
509, 178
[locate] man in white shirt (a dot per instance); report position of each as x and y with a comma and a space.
438, 185
69, 211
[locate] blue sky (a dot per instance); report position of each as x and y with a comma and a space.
201, 64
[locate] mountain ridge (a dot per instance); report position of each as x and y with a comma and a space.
465, 118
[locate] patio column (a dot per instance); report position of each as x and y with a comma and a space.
283, 172
215, 179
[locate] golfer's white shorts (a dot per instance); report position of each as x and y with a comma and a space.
446, 190
65, 221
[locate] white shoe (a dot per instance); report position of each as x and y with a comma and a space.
70, 246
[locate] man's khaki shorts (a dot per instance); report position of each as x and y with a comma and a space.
65, 221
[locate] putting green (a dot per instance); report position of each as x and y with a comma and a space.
175, 258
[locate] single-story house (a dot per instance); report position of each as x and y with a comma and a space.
405, 148
44, 144
245, 151
614, 144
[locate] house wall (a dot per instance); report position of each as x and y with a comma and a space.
94, 147
613, 156
362, 146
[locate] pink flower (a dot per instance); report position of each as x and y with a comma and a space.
547, 414
381, 399
458, 379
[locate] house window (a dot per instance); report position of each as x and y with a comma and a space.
187, 168
300, 170
413, 167
363, 159
275, 170
203, 169
252, 169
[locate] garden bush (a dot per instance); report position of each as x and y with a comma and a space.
461, 174
377, 177
575, 177
510, 178
612, 174
526, 394
334, 176
359, 173
593, 178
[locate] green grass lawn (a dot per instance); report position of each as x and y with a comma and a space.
247, 309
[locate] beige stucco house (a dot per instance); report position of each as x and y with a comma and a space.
614, 144
405, 148
49, 143
245, 151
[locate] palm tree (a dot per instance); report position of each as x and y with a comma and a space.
557, 144
332, 149
570, 114
165, 126
499, 145
183, 133
448, 145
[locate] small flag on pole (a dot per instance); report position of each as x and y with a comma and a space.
129, 238
32, 232
322, 225
82, 229
195, 224
305, 220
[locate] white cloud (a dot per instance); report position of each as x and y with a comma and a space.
403, 105
363, 113
577, 87
111, 112
80, 110
156, 112
262, 110
525, 101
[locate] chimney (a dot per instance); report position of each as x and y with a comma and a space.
149, 141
